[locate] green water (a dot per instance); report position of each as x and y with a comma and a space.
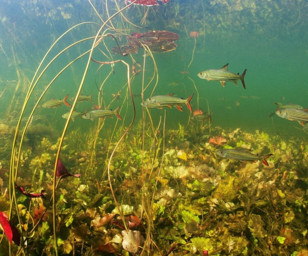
266, 38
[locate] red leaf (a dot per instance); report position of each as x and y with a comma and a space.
16, 235
6, 227
133, 221
63, 172
106, 248
32, 195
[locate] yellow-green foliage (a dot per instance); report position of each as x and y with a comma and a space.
226, 190
200, 244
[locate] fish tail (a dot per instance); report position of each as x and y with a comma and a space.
188, 102
242, 78
264, 159
117, 113
65, 101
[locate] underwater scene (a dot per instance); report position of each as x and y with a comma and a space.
154, 127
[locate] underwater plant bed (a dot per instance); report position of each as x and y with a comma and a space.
198, 203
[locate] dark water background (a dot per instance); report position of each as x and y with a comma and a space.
269, 38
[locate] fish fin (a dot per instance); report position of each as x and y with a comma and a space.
171, 94
188, 102
271, 114
169, 106
305, 109
91, 98
223, 83
65, 101
225, 67
235, 82
117, 113
264, 159
179, 108
277, 104
242, 78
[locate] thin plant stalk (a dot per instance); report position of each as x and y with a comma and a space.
196, 89
16, 157
193, 53
118, 143
68, 121
28, 94
124, 17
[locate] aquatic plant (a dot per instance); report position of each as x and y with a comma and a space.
143, 188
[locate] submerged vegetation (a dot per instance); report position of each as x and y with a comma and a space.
105, 174
192, 200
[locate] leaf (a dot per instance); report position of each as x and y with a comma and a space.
102, 221
42, 230
133, 221
201, 244
281, 239
131, 240
189, 217
125, 209
63, 172
106, 248
67, 247
69, 221
6, 227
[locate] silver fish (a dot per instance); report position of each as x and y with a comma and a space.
83, 98
281, 106
222, 75
75, 114
101, 113
294, 106
242, 154
56, 103
293, 114
160, 101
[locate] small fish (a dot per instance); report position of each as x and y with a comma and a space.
160, 101
200, 115
293, 114
222, 75
281, 106
101, 113
75, 114
242, 154
53, 103
83, 98
294, 106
